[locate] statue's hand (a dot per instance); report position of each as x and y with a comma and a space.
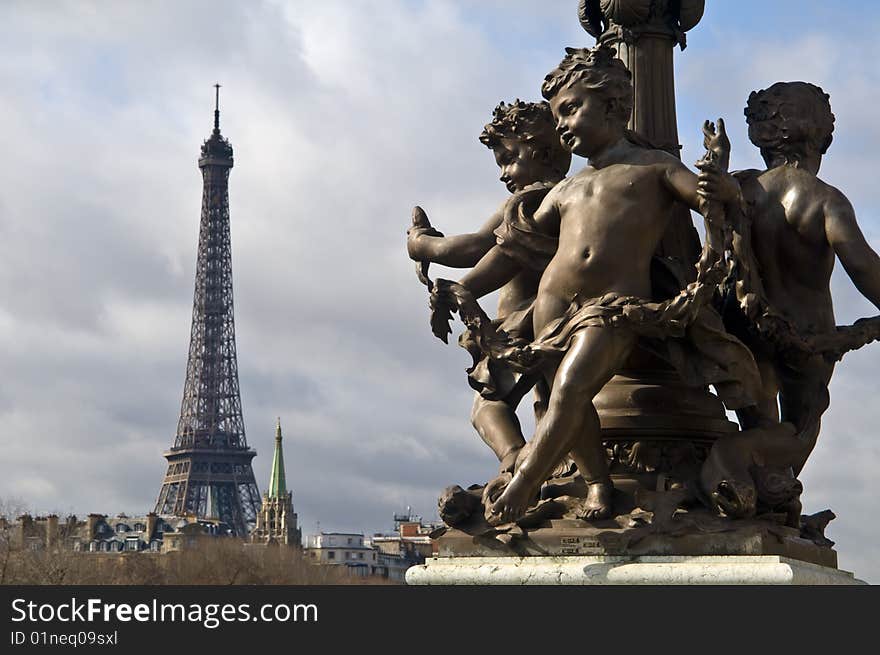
714, 184
524, 357
417, 245
717, 144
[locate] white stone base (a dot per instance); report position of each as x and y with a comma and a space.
621, 570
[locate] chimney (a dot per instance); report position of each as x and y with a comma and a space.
25, 523
92, 523
152, 520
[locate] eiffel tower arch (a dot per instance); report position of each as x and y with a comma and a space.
209, 466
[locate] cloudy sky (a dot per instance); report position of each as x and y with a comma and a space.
343, 115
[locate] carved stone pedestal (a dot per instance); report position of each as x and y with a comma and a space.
639, 548
621, 570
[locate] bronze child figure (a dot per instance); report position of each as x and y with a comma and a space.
609, 219
794, 225
530, 156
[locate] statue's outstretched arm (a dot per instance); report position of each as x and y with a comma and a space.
491, 273
425, 244
862, 264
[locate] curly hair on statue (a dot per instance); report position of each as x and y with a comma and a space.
789, 120
597, 69
531, 123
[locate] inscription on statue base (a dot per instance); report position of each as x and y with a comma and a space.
572, 537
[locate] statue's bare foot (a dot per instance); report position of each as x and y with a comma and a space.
597, 504
513, 501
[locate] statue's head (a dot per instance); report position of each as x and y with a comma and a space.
523, 137
591, 95
791, 123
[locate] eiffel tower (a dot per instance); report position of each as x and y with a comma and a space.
209, 465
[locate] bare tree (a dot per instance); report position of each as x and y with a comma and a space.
10, 509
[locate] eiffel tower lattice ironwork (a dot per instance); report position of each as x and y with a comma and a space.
209, 465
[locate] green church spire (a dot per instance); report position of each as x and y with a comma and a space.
277, 484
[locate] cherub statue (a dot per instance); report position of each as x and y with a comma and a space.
594, 297
793, 226
531, 158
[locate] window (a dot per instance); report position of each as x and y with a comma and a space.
349, 541
331, 555
360, 555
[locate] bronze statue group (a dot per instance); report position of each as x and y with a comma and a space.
572, 257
